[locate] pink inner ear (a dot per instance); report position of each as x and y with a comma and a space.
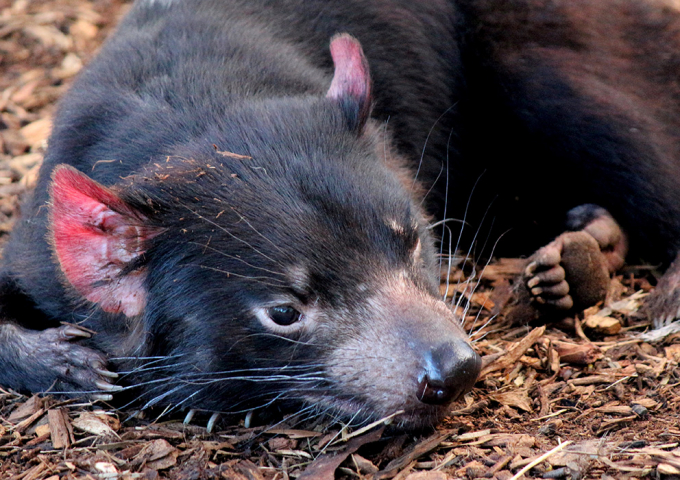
95, 235
351, 77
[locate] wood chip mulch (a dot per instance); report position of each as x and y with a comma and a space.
582, 399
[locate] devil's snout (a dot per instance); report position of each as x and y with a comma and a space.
450, 370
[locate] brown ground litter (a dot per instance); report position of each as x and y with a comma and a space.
582, 399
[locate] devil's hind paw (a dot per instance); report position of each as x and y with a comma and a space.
569, 273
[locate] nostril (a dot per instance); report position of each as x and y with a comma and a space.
433, 392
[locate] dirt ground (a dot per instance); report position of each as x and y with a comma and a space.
586, 398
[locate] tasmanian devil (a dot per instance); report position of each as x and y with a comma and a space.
231, 213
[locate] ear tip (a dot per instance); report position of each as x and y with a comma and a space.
346, 50
344, 40
70, 186
66, 175
64, 168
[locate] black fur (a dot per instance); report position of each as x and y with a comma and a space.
510, 96
163, 102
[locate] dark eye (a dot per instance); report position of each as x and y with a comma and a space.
283, 315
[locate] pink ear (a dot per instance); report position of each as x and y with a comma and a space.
351, 80
95, 236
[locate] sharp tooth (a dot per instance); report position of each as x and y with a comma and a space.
249, 417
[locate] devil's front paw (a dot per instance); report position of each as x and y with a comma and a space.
54, 361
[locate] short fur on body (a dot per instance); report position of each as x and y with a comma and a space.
233, 166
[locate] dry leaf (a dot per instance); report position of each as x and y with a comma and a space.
26, 409
615, 409
158, 455
249, 470
105, 467
577, 354
603, 325
325, 465
515, 353
24, 424
646, 402
673, 353
363, 465
280, 443
517, 398
41, 430
95, 424
666, 469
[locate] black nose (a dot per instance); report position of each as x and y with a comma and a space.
450, 371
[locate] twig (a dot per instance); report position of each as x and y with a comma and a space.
540, 459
